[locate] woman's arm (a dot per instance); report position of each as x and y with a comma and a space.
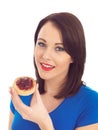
89, 127
11, 116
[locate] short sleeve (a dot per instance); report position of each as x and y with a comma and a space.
12, 107
89, 113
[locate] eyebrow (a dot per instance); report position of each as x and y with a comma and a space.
46, 41
41, 39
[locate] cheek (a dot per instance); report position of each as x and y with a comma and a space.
37, 54
65, 62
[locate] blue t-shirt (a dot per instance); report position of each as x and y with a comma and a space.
76, 111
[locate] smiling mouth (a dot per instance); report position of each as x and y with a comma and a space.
47, 67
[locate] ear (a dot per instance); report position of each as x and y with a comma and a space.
71, 61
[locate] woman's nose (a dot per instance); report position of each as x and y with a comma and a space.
47, 54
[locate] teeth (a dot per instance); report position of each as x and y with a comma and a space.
47, 66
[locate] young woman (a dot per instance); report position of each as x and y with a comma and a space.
61, 100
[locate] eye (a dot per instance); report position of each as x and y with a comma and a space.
41, 44
60, 49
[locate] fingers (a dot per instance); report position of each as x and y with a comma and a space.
17, 102
36, 97
13, 92
14, 96
10, 90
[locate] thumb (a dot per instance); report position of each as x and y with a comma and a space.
36, 96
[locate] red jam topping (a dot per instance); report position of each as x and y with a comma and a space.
24, 83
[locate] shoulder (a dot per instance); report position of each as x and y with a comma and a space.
84, 97
86, 102
88, 106
88, 93
87, 97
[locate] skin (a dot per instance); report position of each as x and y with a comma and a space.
48, 50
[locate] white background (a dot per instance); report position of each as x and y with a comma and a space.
18, 21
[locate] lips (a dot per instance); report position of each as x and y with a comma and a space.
47, 67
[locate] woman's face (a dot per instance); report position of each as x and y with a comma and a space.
51, 59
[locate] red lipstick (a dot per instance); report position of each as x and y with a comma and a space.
46, 67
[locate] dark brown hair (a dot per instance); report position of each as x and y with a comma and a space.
74, 44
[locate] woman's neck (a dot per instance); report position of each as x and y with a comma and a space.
52, 87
